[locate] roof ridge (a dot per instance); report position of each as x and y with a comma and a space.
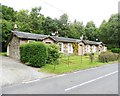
28, 33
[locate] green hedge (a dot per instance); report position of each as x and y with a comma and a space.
108, 56
115, 50
53, 53
34, 53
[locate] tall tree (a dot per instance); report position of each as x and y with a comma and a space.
90, 31
110, 30
36, 21
50, 25
76, 29
7, 14
22, 20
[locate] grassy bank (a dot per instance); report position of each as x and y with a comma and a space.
70, 64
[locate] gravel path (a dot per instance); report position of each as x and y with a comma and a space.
15, 72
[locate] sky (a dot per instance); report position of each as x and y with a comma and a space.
81, 10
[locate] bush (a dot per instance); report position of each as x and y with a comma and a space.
91, 56
108, 56
53, 53
34, 53
115, 50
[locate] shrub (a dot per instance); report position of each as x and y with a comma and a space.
85, 54
115, 50
34, 53
53, 53
107, 56
75, 48
91, 56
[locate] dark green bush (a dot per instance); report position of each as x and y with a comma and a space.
108, 56
53, 53
34, 53
115, 50
24, 57
85, 54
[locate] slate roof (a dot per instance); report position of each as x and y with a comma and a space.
27, 35
63, 39
92, 42
41, 37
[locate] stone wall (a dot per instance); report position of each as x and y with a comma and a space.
13, 48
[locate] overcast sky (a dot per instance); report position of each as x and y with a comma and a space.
81, 10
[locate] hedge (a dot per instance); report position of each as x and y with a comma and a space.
115, 50
34, 53
108, 56
53, 53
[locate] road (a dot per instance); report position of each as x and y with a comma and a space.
99, 80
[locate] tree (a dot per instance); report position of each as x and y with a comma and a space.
8, 13
63, 19
90, 31
22, 20
50, 25
110, 30
7, 26
36, 21
76, 29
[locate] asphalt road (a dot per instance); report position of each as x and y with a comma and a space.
99, 80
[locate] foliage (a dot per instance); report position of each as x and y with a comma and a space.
76, 29
90, 31
115, 50
53, 54
75, 48
108, 56
91, 57
33, 53
110, 29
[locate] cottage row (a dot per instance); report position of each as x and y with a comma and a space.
66, 45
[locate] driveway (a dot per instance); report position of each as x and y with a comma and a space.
15, 72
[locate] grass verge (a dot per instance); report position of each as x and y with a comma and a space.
71, 63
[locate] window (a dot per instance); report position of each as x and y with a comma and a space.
29, 41
48, 42
70, 49
61, 47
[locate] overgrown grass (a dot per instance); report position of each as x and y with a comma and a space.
73, 63
3, 53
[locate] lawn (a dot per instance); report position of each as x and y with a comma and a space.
74, 64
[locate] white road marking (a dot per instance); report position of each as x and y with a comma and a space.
87, 69
67, 89
31, 81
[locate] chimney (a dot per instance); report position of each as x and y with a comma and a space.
81, 38
15, 27
56, 33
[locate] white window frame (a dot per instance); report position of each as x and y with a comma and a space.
70, 48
